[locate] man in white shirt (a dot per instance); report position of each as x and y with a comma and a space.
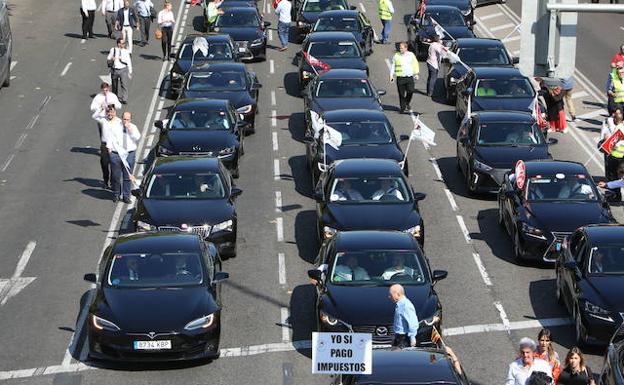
349, 271
120, 64
520, 370
388, 189
144, 11
87, 11
99, 106
398, 267
109, 11
282, 11
121, 142
127, 21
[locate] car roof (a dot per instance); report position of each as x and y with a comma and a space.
243, 10
374, 240
366, 167
343, 73
605, 233
454, 3
354, 115
437, 8
504, 116
185, 164
478, 42
554, 166
407, 366
497, 72
163, 242
222, 66
339, 13
331, 36
210, 37
191, 104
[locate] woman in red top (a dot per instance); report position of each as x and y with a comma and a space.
546, 352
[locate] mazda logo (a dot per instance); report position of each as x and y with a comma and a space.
196, 148
381, 331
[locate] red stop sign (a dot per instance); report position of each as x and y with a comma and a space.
520, 174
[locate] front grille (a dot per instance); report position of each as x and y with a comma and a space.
206, 153
203, 231
374, 330
560, 236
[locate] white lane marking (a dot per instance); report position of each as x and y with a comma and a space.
593, 114
24, 258
273, 118
362, 8
281, 268
13, 77
161, 103
13, 64
275, 143
20, 140
276, 169
503, 316
279, 227
43, 371
270, 35
464, 229
511, 38
436, 168
32, 122
271, 66
482, 271
265, 348
278, 201
82, 41
516, 52
268, 9
12, 286
375, 35
64, 72
146, 153
8, 162
149, 142
388, 64
285, 325
449, 195
516, 325
105, 78
579, 94
491, 16
502, 26
273, 100
156, 117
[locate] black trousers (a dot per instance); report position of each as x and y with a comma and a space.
405, 86
105, 164
400, 341
167, 37
144, 26
87, 23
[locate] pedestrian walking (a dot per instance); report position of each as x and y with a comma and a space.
575, 371
282, 11
405, 319
145, 10
107, 125
109, 11
434, 56
405, 68
87, 11
386, 12
127, 21
213, 12
121, 141
610, 124
618, 57
99, 107
166, 20
615, 88
120, 64
521, 369
546, 352
555, 109
567, 86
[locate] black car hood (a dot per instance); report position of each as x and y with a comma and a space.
505, 157
330, 104
242, 33
157, 310
182, 66
608, 288
355, 63
374, 216
174, 212
202, 140
379, 151
507, 104
236, 98
456, 31
309, 17
358, 305
566, 216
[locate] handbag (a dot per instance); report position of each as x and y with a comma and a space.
152, 13
158, 33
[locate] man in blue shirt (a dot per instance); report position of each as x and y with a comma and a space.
405, 319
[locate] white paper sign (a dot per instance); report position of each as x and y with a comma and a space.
342, 353
423, 133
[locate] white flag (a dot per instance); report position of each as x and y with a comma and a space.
423, 133
200, 44
332, 137
468, 110
453, 57
317, 123
438, 28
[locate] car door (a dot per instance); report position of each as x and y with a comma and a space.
367, 32
464, 84
464, 142
573, 273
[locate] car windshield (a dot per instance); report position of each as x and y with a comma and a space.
384, 267
334, 49
504, 88
202, 119
446, 18
483, 56
348, 24
561, 187
217, 81
362, 133
185, 186
155, 270
390, 189
324, 5
216, 51
237, 19
607, 259
344, 88
505, 134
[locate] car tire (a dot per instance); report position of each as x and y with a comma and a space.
470, 187
501, 218
7, 79
558, 287
450, 99
241, 148
579, 333
517, 249
236, 172
406, 168
252, 127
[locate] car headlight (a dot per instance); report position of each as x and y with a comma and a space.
306, 74
103, 324
144, 226
224, 226
329, 232
200, 323
402, 164
328, 319
322, 167
162, 150
175, 75
416, 231
466, 12
226, 151
597, 312
533, 231
244, 109
257, 42
452, 80
481, 166
302, 24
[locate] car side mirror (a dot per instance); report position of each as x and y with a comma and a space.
515, 60
403, 137
138, 193
381, 92
266, 24
467, 91
256, 86
316, 275
159, 124
352, 7
418, 196
235, 192
472, 22
439, 275
220, 277
90, 277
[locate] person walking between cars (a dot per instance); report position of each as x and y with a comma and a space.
435, 53
575, 372
609, 126
99, 107
567, 87
127, 22
386, 12
109, 11
120, 64
615, 89
555, 109
546, 352
283, 23
166, 20
144, 9
521, 369
405, 319
87, 11
405, 68
121, 142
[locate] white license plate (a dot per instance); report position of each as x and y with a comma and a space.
242, 49
152, 345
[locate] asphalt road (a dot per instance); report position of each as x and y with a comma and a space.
56, 218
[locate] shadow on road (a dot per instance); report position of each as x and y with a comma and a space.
291, 84
301, 175
306, 235
303, 315
296, 126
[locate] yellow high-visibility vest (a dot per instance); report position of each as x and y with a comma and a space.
384, 10
399, 62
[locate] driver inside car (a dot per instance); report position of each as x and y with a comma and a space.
398, 268
350, 271
388, 191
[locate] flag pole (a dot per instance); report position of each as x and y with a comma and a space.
409, 142
442, 28
324, 149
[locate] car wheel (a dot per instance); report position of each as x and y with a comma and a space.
406, 168
450, 98
7, 79
472, 188
501, 218
579, 331
252, 127
241, 148
370, 46
517, 249
558, 288
236, 172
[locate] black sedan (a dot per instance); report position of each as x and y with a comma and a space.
230, 81
490, 143
335, 49
306, 12
348, 21
473, 52
356, 269
157, 299
202, 127
220, 49
245, 26
365, 134
543, 206
367, 194
590, 281
466, 7
421, 28
188, 194
224, 5
494, 88
612, 369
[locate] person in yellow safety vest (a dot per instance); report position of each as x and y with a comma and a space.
386, 11
613, 164
616, 91
213, 11
485, 89
405, 68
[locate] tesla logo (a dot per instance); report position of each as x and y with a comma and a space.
151, 335
196, 148
381, 331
